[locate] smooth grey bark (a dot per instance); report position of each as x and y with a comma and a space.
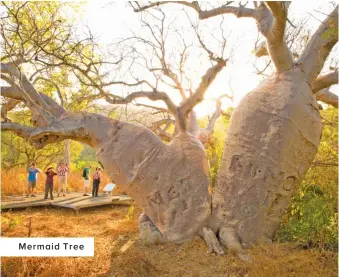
168, 181
272, 139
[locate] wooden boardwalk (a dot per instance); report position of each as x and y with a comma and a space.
73, 200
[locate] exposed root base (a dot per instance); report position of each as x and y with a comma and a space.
212, 241
228, 238
148, 233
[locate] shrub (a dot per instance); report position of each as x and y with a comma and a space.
312, 216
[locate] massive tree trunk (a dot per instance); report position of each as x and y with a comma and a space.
272, 139
168, 181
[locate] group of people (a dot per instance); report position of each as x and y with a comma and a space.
62, 173
96, 180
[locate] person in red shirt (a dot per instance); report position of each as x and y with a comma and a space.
96, 181
49, 182
62, 177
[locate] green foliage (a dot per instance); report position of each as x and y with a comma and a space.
331, 32
215, 148
16, 152
312, 217
86, 157
10, 222
130, 213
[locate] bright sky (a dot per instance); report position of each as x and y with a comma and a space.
113, 20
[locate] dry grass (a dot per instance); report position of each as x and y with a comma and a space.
118, 253
14, 182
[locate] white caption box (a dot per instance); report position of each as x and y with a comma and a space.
46, 247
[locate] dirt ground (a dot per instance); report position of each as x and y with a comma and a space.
119, 253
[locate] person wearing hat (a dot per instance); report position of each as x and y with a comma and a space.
62, 175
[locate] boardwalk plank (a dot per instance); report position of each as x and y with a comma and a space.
74, 200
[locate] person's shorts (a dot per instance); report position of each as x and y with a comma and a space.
32, 184
86, 183
62, 180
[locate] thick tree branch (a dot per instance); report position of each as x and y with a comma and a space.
198, 95
160, 109
54, 84
327, 97
325, 81
10, 105
274, 31
271, 18
205, 134
162, 131
313, 57
240, 11
152, 95
193, 124
214, 117
31, 97
159, 123
20, 130
15, 92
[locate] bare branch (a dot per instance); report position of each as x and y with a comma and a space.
193, 124
164, 110
10, 105
319, 47
32, 98
328, 97
152, 95
274, 33
15, 92
20, 130
54, 84
157, 124
325, 81
198, 95
240, 11
216, 114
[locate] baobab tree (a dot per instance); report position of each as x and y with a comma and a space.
184, 156
274, 132
272, 139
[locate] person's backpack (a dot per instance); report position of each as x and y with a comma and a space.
84, 173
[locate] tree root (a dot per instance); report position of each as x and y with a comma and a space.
212, 241
148, 232
228, 238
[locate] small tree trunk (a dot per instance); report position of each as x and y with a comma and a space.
67, 152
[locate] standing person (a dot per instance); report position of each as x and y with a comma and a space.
32, 176
85, 175
67, 172
62, 172
96, 181
49, 182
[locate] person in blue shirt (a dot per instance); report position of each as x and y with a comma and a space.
32, 176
